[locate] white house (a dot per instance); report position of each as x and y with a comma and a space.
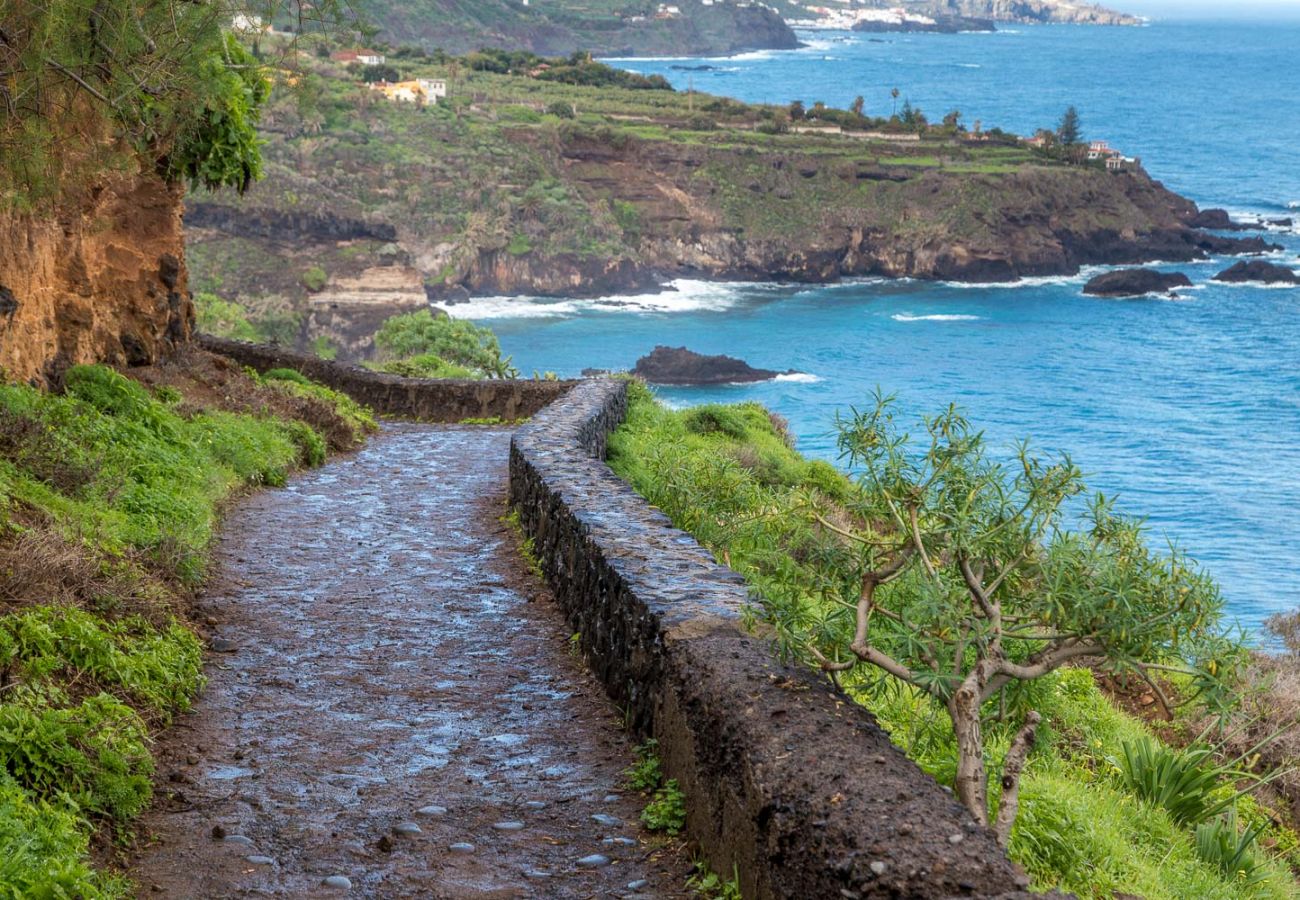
432, 88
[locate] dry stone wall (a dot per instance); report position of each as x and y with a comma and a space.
788, 782
429, 400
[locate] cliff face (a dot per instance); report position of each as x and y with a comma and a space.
99, 280
692, 211
817, 218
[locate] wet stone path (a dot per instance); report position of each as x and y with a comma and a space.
392, 710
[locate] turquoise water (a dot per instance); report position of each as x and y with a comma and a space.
1188, 410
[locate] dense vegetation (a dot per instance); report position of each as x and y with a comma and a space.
422, 345
1106, 804
117, 86
560, 27
579, 68
108, 499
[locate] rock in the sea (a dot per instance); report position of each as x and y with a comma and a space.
1135, 283
1216, 219
669, 365
1259, 271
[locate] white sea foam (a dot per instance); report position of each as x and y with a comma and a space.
800, 377
682, 295
969, 66
813, 45
1293, 204
938, 317
1258, 285
1031, 281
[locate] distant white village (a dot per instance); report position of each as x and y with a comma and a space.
840, 19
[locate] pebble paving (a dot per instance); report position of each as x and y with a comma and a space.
394, 711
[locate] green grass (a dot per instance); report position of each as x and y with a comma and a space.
729, 475
109, 498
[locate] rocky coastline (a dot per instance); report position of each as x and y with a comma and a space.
653, 189
1035, 233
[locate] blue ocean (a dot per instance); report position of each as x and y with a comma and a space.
1188, 410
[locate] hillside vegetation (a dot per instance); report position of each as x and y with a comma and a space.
561, 27
1096, 817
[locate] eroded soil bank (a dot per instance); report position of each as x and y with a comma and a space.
386, 663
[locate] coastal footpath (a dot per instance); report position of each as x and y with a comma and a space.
514, 184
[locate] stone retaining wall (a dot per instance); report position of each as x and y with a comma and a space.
789, 783
429, 400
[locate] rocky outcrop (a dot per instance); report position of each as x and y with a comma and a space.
1215, 219
677, 365
1135, 283
97, 279
1258, 271
282, 224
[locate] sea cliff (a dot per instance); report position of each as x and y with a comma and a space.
519, 186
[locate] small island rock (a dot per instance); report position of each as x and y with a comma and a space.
677, 365
1258, 271
1135, 283
1215, 219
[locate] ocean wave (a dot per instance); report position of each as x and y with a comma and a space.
1031, 281
1257, 285
937, 317
811, 45
1293, 204
800, 377
682, 295
968, 65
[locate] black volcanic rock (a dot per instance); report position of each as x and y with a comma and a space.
1259, 271
1216, 219
1135, 283
677, 365
1228, 246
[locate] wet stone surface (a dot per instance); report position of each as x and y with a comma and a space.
394, 665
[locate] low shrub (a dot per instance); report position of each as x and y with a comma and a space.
455, 341
314, 279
